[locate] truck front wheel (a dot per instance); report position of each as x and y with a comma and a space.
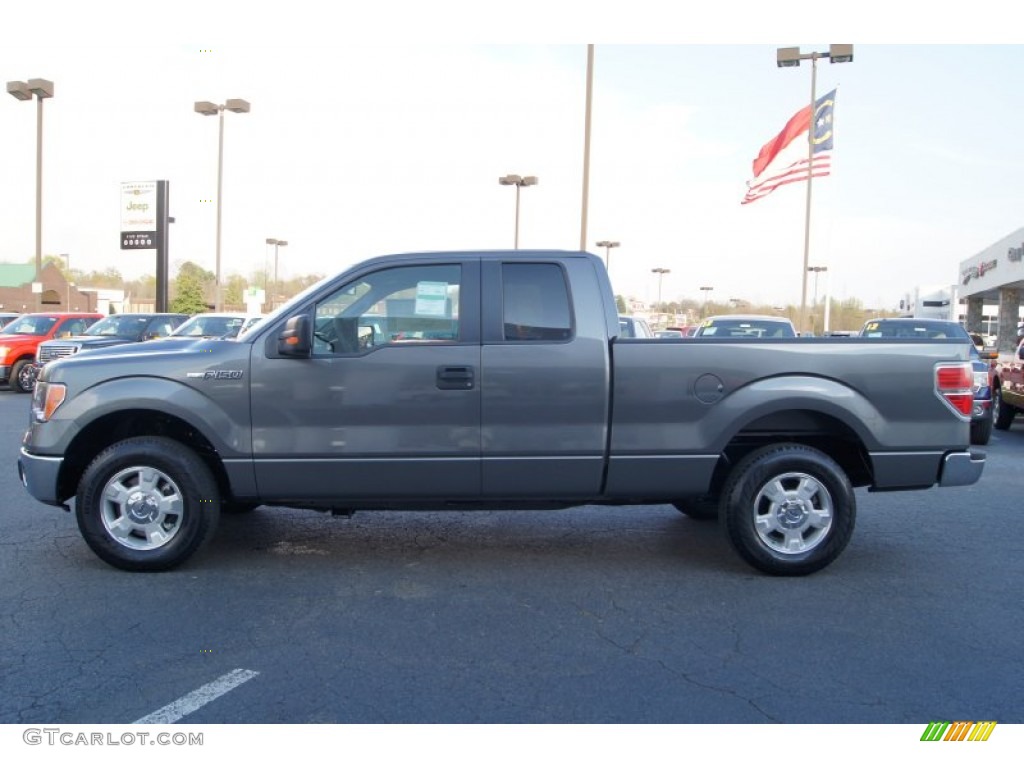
147, 504
788, 509
23, 376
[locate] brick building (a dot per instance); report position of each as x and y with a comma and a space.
58, 294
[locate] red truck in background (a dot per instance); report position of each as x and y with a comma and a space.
23, 336
1008, 387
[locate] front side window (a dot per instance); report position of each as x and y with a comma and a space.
399, 305
535, 303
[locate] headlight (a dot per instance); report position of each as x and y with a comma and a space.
47, 398
4, 351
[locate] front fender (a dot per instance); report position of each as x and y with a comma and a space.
222, 415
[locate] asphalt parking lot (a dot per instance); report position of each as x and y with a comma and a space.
588, 615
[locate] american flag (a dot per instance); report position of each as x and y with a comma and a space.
783, 160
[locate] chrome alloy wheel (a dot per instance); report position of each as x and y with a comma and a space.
142, 508
792, 513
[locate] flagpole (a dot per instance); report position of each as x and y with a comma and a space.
807, 213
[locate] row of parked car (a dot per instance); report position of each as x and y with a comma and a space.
720, 326
29, 341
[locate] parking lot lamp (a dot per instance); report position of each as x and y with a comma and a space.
22, 91
707, 289
518, 182
277, 288
660, 272
208, 108
608, 245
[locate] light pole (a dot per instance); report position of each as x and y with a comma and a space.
586, 146
791, 57
513, 179
608, 245
660, 272
816, 271
22, 91
277, 289
208, 108
707, 289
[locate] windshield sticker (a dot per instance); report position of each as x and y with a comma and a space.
432, 299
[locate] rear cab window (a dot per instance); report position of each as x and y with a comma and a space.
535, 303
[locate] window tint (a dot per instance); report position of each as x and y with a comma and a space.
401, 305
535, 303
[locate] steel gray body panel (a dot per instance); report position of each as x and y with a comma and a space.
39, 475
881, 391
660, 477
962, 468
545, 405
897, 469
219, 408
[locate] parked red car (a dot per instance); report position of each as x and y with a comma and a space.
22, 337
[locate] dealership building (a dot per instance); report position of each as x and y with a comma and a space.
995, 276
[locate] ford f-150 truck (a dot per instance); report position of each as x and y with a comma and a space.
491, 380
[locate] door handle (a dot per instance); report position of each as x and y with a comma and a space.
455, 377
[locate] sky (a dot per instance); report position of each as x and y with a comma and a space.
385, 131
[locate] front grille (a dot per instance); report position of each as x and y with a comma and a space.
53, 351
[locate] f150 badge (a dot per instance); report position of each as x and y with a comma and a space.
214, 375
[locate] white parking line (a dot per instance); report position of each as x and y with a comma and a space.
190, 702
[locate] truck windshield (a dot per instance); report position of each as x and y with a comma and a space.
119, 325
29, 325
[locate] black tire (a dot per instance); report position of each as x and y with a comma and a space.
147, 504
981, 430
22, 377
1002, 413
699, 507
807, 524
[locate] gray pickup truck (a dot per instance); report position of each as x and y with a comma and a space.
491, 380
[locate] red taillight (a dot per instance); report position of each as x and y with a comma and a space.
953, 383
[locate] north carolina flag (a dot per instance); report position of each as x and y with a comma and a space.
783, 160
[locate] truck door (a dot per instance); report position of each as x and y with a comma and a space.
387, 408
545, 381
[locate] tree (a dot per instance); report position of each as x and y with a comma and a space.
620, 304
189, 290
234, 291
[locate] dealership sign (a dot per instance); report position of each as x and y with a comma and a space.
974, 272
139, 214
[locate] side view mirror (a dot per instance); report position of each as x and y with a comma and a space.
294, 338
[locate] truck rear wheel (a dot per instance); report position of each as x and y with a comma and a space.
147, 504
788, 509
